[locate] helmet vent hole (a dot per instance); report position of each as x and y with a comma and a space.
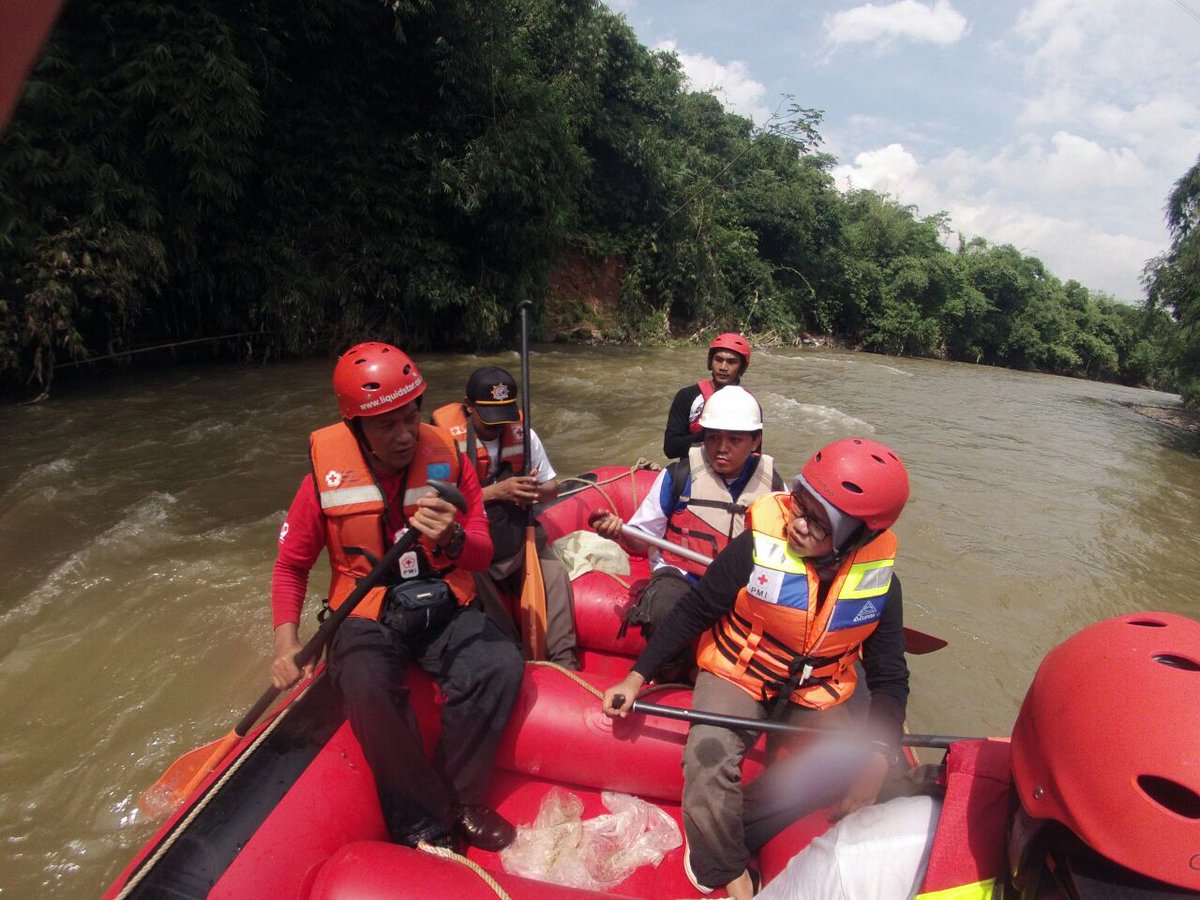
852, 487
1147, 623
1171, 794
408, 370
371, 386
1177, 662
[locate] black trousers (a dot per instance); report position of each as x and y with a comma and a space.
478, 668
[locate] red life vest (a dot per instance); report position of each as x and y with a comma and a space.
711, 518
355, 510
453, 417
778, 618
968, 853
707, 389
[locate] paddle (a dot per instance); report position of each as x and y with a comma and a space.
532, 610
915, 642
185, 774
700, 717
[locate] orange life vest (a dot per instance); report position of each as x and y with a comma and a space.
453, 417
355, 510
711, 518
707, 389
968, 854
778, 629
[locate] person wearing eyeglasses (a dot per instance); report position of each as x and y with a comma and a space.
783, 614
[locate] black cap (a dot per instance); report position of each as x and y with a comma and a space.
493, 393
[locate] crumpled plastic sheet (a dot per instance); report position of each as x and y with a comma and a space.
594, 854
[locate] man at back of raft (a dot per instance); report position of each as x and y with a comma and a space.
728, 359
783, 614
488, 425
698, 502
369, 485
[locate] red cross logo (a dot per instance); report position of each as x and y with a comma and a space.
763, 579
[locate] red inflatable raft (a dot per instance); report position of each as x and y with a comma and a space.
292, 812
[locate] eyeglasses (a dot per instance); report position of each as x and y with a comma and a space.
815, 516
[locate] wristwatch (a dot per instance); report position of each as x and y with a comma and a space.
458, 536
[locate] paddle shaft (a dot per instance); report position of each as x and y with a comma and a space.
527, 425
663, 544
316, 643
700, 717
917, 642
532, 613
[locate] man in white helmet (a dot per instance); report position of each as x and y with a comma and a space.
698, 502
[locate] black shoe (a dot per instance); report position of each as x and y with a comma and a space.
485, 828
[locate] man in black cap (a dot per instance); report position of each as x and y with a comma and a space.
488, 427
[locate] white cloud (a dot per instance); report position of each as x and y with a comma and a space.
1058, 126
730, 82
888, 170
936, 23
1074, 163
1112, 68
1004, 199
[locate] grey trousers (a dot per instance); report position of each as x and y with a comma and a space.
721, 819
560, 602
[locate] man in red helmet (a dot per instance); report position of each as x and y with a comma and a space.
728, 359
783, 614
368, 485
1093, 797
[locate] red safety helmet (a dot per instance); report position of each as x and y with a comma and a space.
374, 378
733, 341
1107, 744
862, 478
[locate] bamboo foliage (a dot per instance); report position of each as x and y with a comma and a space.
410, 171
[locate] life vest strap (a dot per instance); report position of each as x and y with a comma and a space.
731, 507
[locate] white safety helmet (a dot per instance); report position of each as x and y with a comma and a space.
732, 408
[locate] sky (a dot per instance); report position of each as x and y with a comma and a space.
1057, 126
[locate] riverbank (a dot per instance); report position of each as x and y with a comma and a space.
1174, 416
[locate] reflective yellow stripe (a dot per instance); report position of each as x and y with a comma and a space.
772, 553
980, 890
869, 579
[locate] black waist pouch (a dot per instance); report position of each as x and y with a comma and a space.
417, 607
506, 524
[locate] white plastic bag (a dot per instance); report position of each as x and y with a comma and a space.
585, 551
562, 848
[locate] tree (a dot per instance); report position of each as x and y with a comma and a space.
1173, 281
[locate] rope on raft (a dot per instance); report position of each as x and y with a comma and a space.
447, 853
642, 463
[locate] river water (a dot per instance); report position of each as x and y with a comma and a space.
138, 519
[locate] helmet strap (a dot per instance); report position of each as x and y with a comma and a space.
364, 445
860, 538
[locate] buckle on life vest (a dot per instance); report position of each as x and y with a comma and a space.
799, 671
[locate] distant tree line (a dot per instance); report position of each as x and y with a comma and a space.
413, 169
